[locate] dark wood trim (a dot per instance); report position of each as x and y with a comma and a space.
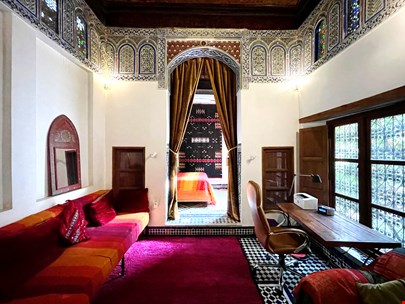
380, 100
138, 169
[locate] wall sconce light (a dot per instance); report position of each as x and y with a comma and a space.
295, 83
152, 155
316, 179
250, 159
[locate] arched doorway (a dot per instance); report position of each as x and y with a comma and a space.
185, 71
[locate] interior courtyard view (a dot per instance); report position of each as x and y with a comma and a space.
211, 151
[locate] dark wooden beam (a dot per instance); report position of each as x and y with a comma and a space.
200, 15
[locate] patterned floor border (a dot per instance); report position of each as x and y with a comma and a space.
266, 277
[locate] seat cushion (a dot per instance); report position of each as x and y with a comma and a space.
286, 242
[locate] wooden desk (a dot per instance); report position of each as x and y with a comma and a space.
336, 230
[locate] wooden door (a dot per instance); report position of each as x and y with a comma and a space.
128, 168
277, 175
313, 159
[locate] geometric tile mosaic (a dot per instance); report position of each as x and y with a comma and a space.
266, 277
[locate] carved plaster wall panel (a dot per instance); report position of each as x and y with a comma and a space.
280, 55
176, 47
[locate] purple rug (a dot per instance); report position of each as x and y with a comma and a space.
182, 270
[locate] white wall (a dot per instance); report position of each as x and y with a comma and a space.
62, 87
373, 64
1, 105
45, 82
136, 115
269, 117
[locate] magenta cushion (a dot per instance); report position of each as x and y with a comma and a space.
73, 223
133, 201
101, 211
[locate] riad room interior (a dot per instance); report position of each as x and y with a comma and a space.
103, 91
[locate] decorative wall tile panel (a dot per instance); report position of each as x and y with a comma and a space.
176, 47
278, 61
94, 47
126, 59
147, 59
373, 7
296, 60
307, 50
108, 59
259, 61
31, 5
205, 52
334, 26
68, 20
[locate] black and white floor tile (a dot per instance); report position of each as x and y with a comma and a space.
201, 214
266, 277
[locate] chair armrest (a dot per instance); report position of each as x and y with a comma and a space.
299, 232
285, 216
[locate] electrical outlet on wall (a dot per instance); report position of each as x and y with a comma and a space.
155, 203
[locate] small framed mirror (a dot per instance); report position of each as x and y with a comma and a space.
63, 156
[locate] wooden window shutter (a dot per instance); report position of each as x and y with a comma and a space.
314, 159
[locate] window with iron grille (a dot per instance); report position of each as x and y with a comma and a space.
367, 169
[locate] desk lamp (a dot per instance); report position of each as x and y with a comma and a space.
316, 178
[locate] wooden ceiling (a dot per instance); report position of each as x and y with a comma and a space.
220, 14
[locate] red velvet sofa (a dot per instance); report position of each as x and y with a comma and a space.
383, 281
37, 267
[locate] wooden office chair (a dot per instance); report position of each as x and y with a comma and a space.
275, 240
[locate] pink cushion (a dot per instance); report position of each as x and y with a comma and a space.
133, 201
100, 211
73, 223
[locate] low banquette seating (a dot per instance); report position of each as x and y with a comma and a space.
383, 281
45, 259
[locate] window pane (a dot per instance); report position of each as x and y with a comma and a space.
387, 186
389, 224
347, 179
347, 208
388, 138
81, 29
320, 40
346, 142
352, 15
49, 14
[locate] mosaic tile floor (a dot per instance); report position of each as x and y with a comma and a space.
201, 214
266, 277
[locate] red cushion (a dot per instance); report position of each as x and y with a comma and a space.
133, 201
390, 265
73, 223
100, 211
26, 252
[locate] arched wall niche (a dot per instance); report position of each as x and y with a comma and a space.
63, 156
